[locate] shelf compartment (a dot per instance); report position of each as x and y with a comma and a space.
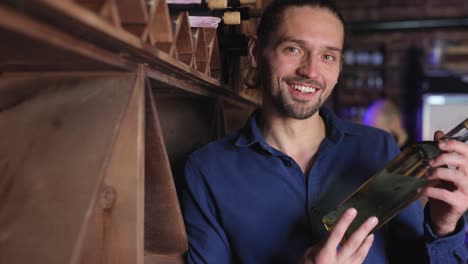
134, 15
183, 46
214, 63
159, 30
201, 49
107, 9
57, 132
164, 226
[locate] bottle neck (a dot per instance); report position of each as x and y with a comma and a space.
459, 133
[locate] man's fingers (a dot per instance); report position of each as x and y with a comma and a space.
362, 252
455, 199
438, 134
453, 159
340, 228
356, 240
454, 177
453, 146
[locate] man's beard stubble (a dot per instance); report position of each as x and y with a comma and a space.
296, 109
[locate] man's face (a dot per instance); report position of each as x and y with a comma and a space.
299, 67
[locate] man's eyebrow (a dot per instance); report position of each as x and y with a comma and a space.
288, 39
302, 43
332, 48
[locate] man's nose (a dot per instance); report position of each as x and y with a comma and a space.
309, 67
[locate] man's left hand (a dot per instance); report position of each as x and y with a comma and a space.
449, 201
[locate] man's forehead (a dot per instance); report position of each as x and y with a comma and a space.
302, 23
308, 14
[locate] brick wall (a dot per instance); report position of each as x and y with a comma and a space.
375, 10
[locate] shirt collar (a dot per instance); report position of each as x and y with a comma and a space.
250, 134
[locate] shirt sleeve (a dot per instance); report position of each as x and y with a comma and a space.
207, 240
449, 249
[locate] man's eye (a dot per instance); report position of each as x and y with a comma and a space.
329, 57
292, 50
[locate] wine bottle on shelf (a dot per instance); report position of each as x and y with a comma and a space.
223, 4
230, 16
392, 189
208, 5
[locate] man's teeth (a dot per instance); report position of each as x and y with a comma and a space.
303, 89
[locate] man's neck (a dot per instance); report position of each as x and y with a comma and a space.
299, 139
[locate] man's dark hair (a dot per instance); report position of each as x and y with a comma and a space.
271, 17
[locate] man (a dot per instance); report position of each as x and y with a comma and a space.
258, 195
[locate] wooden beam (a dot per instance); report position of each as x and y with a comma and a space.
163, 259
28, 44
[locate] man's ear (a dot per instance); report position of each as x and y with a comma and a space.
253, 51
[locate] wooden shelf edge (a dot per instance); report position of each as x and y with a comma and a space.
151, 258
193, 86
27, 27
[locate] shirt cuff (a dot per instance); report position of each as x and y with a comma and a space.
445, 248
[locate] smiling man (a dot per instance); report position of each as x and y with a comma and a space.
258, 195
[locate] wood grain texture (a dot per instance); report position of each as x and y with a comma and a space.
134, 15
115, 232
160, 28
183, 38
133, 11
201, 49
56, 135
163, 259
31, 45
84, 24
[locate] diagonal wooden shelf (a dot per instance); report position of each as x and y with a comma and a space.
85, 24
56, 135
117, 219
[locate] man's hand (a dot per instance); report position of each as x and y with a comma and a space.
448, 203
354, 250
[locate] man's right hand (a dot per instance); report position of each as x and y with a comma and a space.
354, 250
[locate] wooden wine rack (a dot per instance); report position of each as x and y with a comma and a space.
101, 101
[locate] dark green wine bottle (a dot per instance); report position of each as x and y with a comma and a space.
395, 187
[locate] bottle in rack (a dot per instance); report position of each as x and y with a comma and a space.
229, 16
392, 189
208, 4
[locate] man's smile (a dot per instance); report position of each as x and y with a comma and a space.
302, 88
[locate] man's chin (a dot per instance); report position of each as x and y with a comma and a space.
300, 115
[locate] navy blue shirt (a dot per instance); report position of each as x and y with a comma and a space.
246, 202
